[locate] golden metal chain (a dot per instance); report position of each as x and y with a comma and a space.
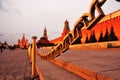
87, 20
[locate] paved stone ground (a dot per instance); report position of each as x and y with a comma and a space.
14, 65
104, 61
52, 72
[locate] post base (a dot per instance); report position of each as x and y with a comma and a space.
34, 77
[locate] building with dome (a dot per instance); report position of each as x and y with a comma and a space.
23, 43
43, 41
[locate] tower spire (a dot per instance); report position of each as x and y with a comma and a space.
66, 28
23, 38
45, 33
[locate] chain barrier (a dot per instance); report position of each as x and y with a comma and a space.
87, 21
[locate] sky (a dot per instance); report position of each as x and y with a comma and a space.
32, 16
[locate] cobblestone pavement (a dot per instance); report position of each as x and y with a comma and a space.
52, 72
14, 65
106, 62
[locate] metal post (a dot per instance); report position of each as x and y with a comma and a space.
33, 57
29, 53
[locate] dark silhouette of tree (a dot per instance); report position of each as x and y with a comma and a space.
92, 37
101, 37
106, 36
87, 40
112, 36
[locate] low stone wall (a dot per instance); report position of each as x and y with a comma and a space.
100, 45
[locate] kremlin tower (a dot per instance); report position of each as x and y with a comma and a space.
66, 30
45, 33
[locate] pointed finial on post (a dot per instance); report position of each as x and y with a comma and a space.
34, 37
